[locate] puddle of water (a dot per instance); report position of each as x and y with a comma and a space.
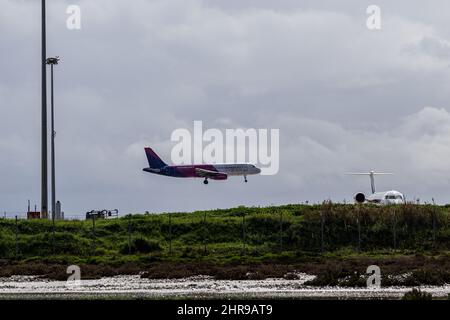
196, 287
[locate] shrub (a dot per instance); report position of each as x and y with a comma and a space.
417, 294
141, 245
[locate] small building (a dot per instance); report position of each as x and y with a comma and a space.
31, 215
58, 213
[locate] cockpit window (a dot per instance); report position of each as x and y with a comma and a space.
393, 197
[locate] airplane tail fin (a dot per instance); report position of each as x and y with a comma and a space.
154, 161
371, 174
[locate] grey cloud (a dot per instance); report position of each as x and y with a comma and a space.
344, 98
435, 47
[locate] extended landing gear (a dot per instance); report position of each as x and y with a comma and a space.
205, 181
245, 179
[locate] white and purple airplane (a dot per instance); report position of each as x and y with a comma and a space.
204, 171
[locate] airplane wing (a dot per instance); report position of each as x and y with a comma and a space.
211, 174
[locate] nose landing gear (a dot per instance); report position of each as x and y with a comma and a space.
245, 179
205, 181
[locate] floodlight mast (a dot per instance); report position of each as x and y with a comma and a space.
52, 62
44, 165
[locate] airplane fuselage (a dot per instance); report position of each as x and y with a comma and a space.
386, 197
205, 171
192, 171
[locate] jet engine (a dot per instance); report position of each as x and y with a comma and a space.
359, 197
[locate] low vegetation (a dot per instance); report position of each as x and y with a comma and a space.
336, 242
417, 294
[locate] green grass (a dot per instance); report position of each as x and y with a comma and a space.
283, 234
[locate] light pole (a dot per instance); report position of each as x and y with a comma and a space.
52, 62
44, 181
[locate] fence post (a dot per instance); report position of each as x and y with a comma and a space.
17, 238
170, 233
93, 235
358, 220
281, 231
394, 219
243, 234
129, 234
205, 230
434, 225
53, 233
322, 226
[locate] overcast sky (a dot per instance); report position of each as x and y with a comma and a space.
344, 98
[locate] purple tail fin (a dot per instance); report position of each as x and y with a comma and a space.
153, 160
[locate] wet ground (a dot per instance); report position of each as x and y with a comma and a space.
133, 287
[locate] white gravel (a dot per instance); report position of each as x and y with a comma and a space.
195, 287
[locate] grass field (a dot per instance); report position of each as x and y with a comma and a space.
334, 241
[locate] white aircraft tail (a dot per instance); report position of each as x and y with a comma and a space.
372, 175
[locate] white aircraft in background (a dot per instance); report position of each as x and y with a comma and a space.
384, 197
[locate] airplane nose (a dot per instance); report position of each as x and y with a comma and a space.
258, 170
